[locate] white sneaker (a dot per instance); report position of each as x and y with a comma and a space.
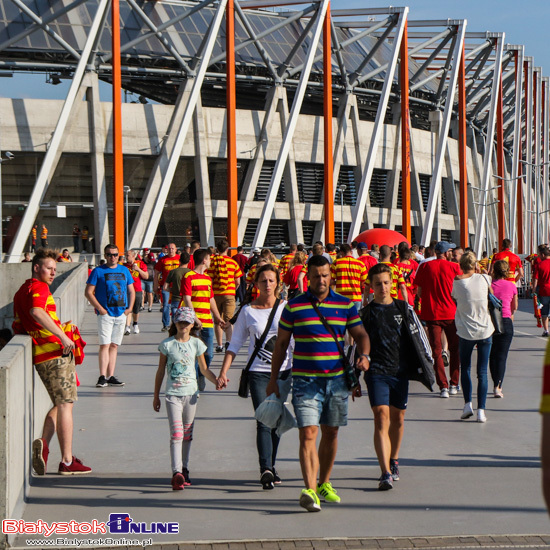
481, 416
127, 331
136, 329
467, 411
453, 390
497, 392
444, 393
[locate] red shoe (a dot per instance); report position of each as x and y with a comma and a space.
40, 452
177, 482
74, 468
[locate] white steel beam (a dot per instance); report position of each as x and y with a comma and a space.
529, 154
97, 139
516, 147
537, 120
488, 152
435, 186
359, 211
146, 222
545, 160
52, 155
267, 211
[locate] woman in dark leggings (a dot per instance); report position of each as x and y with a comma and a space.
507, 292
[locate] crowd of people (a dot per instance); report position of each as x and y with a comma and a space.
314, 321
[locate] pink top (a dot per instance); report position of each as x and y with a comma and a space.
505, 291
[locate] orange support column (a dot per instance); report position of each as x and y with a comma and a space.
118, 174
327, 119
405, 137
232, 184
500, 165
462, 152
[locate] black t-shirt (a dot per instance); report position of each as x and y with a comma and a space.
384, 326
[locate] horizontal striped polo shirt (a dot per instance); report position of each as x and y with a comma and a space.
315, 351
199, 287
285, 262
36, 294
223, 271
350, 275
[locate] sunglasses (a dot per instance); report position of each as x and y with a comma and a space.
115, 255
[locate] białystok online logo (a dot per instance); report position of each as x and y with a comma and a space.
117, 524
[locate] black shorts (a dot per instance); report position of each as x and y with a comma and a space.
137, 303
387, 390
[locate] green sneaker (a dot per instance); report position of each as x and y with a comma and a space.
327, 493
310, 501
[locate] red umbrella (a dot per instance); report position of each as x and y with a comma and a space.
380, 236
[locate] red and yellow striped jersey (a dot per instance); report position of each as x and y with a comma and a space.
199, 287
36, 294
284, 263
350, 275
223, 271
44, 233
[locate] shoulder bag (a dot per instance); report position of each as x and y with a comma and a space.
244, 384
495, 310
349, 371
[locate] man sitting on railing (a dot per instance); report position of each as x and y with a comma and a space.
53, 357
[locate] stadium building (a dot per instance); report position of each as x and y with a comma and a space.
301, 123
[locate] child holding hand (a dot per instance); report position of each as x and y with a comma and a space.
177, 358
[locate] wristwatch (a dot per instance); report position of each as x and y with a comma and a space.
365, 355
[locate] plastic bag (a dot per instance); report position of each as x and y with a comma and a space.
273, 414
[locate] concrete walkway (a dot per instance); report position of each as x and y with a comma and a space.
457, 478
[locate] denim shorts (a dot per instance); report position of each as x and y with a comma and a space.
319, 400
387, 390
147, 286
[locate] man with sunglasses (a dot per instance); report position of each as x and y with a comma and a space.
110, 289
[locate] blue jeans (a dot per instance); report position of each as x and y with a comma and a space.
166, 308
465, 349
499, 352
267, 440
207, 336
175, 304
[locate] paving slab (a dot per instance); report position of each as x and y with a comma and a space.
457, 478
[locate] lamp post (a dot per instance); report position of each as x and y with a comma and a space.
126, 192
341, 189
8, 156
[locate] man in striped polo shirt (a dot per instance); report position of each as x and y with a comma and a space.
226, 277
320, 392
197, 293
53, 358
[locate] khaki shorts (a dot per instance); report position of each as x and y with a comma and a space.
59, 377
226, 306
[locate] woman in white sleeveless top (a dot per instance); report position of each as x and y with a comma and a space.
474, 328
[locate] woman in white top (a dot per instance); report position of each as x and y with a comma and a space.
474, 328
250, 325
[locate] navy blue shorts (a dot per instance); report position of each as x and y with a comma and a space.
387, 390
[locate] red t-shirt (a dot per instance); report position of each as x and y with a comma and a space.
542, 274
291, 277
513, 261
241, 259
36, 294
436, 280
135, 274
368, 260
166, 264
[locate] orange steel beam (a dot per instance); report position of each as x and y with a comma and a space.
500, 164
327, 125
232, 184
118, 174
405, 137
521, 235
533, 186
462, 152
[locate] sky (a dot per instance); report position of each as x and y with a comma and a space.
524, 22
